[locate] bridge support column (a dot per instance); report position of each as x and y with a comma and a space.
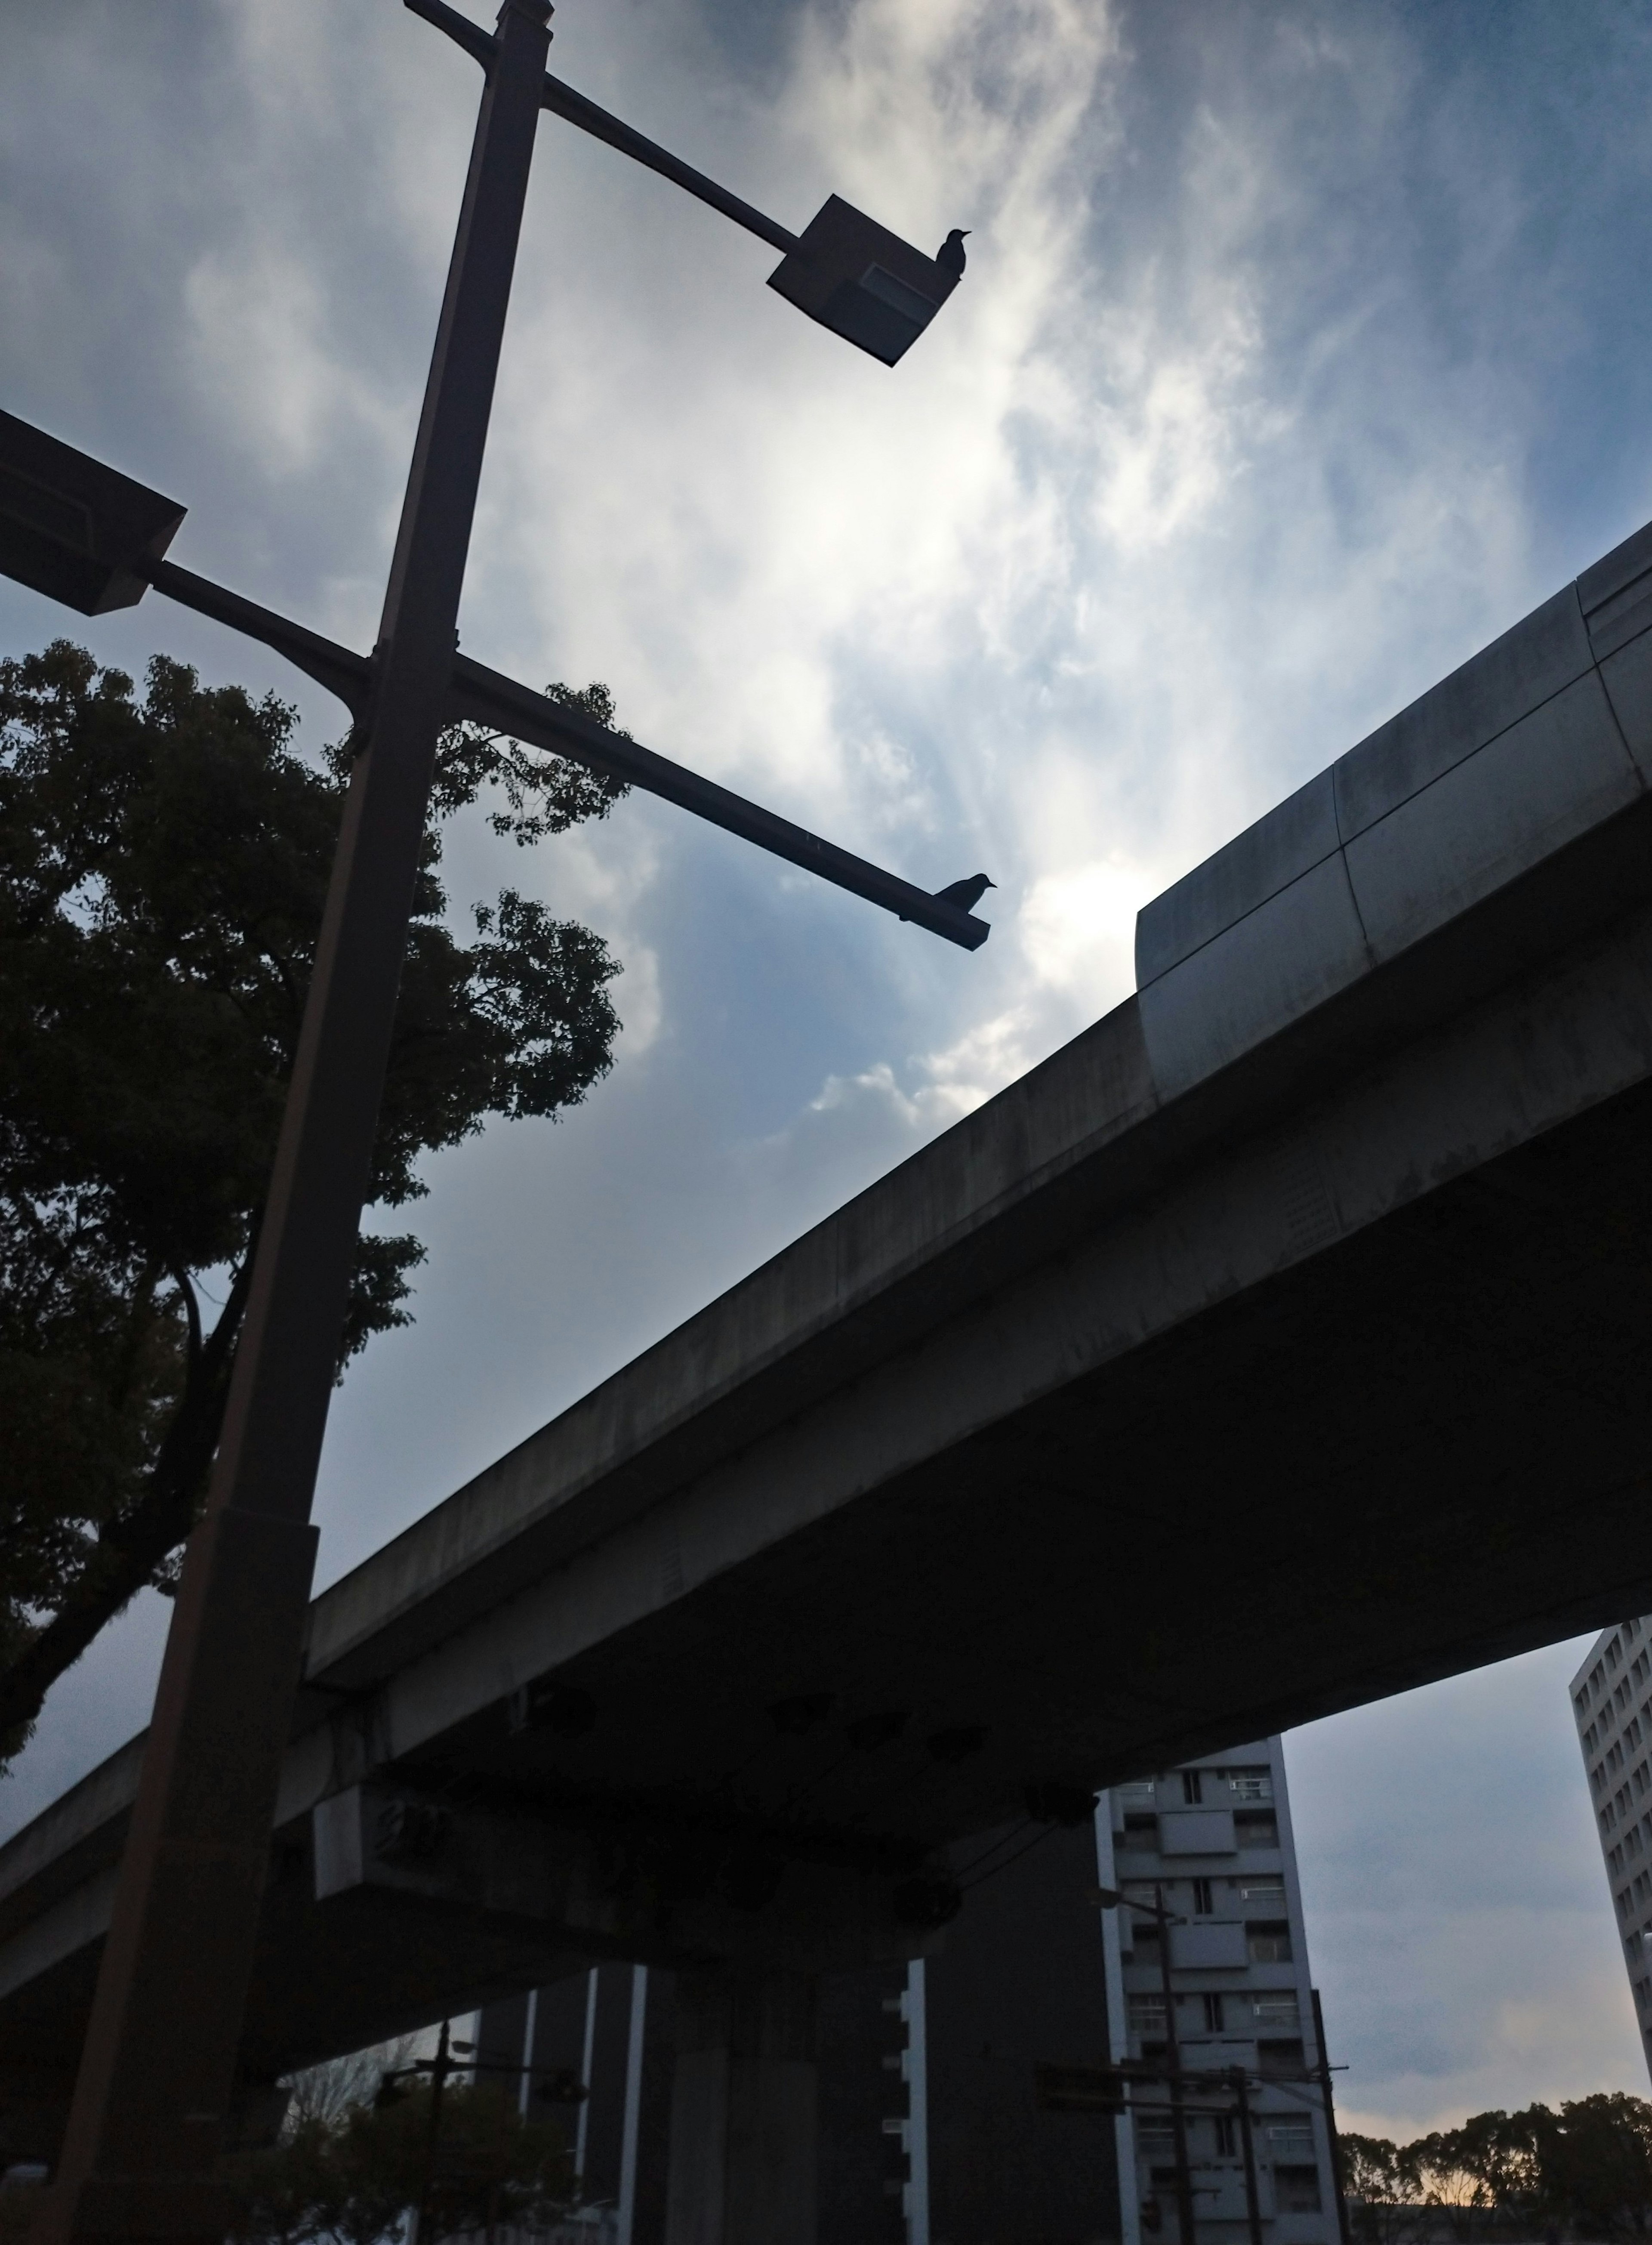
742, 2162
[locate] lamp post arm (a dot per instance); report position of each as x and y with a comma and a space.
563, 101
463, 32
340, 669
489, 697
500, 702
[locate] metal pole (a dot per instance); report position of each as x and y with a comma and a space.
439, 2071
1248, 2142
587, 2051
1173, 2051
630, 2126
530, 2035
158, 2070
1322, 2068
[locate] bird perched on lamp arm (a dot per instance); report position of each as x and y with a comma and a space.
950, 256
966, 894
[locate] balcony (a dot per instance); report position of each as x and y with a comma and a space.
1198, 1832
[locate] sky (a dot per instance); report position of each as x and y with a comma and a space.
1303, 348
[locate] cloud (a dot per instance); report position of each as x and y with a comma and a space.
1294, 359
1458, 1918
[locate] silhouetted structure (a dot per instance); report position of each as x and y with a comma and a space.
928, 2130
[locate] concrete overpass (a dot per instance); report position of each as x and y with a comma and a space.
1280, 1343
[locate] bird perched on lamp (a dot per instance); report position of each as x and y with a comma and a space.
966, 894
950, 256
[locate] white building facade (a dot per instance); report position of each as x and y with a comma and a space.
1612, 1706
1212, 1840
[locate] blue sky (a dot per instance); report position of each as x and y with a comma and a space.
1303, 348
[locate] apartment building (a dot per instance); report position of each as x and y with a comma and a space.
1211, 1844
1612, 1706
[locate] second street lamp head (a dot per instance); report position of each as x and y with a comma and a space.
73, 529
863, 282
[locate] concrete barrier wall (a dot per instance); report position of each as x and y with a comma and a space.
1538, 739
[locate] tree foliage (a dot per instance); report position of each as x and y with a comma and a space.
476, 2163
163, 864
1586, 2167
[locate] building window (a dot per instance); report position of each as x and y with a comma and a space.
1203, 1902
1251, 1784
1155, 2136
1146, 2013
1296, 2189
1255, 1828
1612, 1654
1192, 1790
1292, 2138
1213, 2014
1269, 1942
1582, 1703
1279, 2057
1139, 1788
1262, 1886
1225, 2128
1275, 2007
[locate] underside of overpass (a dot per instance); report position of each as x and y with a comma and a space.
1280, 1344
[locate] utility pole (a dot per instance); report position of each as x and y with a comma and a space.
1173, 2052
1322, 2068
439, 2069
1248, 2145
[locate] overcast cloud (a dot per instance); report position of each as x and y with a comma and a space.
1303, 348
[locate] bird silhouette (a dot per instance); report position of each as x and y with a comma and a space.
966, 894
950, 256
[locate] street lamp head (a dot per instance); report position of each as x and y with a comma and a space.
863, 282
73, 529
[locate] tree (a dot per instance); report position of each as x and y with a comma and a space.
355, 2178
1589, 2165
163, 866
327, 2091
1594, 2162
1382, 2181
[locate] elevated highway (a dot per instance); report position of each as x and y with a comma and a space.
1280, 1343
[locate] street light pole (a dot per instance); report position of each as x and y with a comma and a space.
158, 2069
